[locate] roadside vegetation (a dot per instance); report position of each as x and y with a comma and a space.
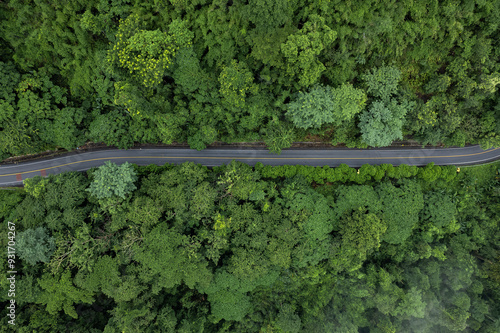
186, 248
357, 73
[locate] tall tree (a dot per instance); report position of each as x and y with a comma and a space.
35, 245
382, 82
401, 208
112, 183
236, 81
361, 235
59, 293
382, 123
325, 105
301, 51
147, 54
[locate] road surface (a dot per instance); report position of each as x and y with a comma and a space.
13, 174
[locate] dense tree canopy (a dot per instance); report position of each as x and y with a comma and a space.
353, 73
241, 249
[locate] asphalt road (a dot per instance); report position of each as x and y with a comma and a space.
13, 174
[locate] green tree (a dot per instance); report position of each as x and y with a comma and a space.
349, 198
324, 105
112, 182
312, 109
169, 258
287, 320
188, 73
349, 101
236, 81
382, 82
401, 206
79, 248
50, 36
106, 277
203, 202
65, 190
35, 245
35, 186
361, 234
111, 128
301, 51
144, 211
229, 305
59, 293
382, 123
17, 138
64, 131
238, 180
278, 136
147, 54
203, 136
439, 209
9, 200
268, 15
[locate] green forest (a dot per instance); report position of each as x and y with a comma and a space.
186, 248
236, 248
352, 73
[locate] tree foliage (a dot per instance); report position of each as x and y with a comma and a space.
147, 54
382, 82
292, 248
112, 180
324, 105
35, 245
301, 50
236, 82
382, 123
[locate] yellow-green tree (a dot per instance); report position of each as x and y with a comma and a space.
147, 54
236, 81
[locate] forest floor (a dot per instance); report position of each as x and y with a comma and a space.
315, 143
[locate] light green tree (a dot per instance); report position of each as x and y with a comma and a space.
59, 293
382, 123
35, 245
35, 186
349, 101
112, 181
324, 105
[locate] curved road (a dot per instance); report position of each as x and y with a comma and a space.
13, 174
